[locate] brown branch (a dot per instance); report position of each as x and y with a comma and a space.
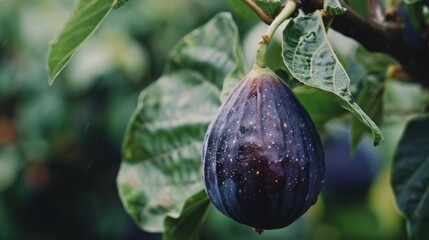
261, 14
383, 37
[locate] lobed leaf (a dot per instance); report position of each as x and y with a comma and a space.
309, 57
410, 177
81, 24
161, 167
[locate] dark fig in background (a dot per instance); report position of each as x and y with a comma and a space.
349, 176
263, 163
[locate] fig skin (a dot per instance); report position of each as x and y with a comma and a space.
263, 162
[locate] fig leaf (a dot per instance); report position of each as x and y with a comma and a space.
81, 24
161, 166
310, 58
410, 177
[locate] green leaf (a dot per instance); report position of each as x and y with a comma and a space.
270, 7
216, 59
229, 84
161, 165
371, 98
333, 7
238, 72
310, 59
161, 154
410, 177
189, 224
321, 106
81, 24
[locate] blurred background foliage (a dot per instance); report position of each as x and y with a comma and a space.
60, 145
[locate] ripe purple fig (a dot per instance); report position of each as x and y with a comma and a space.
263, 162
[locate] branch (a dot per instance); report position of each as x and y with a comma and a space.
383, 37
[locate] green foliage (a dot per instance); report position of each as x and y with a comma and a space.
189, 224
321, 105
373, 61
416, 13
270, 7
371, 98
162, 147
81, 24
159, 180
410, 177
404, 100
309, 57
333, 7
359, 6
241, 9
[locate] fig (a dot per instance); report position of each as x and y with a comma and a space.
263, 162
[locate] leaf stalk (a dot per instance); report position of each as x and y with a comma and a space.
286, 12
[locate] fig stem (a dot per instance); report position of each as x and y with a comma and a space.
286, 12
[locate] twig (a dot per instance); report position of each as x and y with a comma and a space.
261, 14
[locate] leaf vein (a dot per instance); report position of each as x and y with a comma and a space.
311, 65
